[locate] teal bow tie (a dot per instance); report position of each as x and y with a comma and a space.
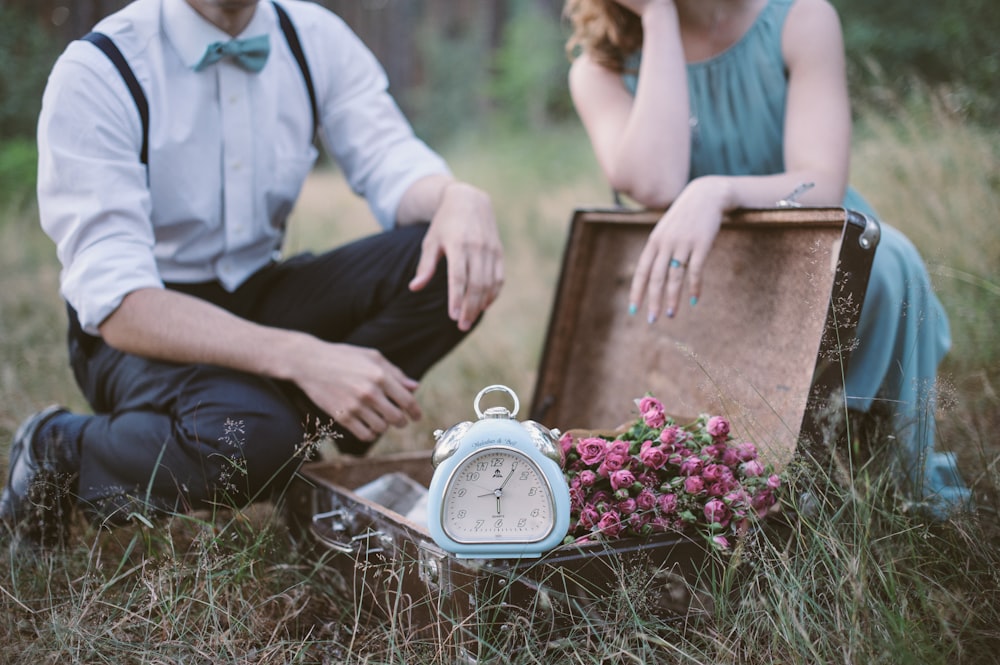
251, 54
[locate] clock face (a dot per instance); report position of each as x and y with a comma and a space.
497, 495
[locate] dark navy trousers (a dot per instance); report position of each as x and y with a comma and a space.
169, 437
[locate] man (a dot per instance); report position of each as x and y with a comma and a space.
206, 359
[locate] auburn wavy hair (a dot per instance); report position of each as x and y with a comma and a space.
605, 30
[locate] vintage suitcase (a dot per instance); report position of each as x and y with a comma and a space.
766, 346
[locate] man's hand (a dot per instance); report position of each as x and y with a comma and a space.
463, 229
358, 387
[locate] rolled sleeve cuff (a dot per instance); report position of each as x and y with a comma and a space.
385, 203
95, 288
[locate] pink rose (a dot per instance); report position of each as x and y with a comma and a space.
610, 524
587, 478
716, 512
762, 502
746, 451
718, 489
626, 506
694, 485
618, 447
691, 466
610, 464
774, 481
712, 473
718, 427
670, 435
667, 503
622, 478
592, 450
712, 453
638, 521
655, 419
652, 456
589, 517
566, 444
721, 542
752, 469
649, 404
646, 500
576, 497
731, 457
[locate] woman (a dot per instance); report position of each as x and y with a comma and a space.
707, 106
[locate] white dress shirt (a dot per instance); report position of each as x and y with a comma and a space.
228, 149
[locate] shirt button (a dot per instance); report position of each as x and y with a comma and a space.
236, 166
234, 99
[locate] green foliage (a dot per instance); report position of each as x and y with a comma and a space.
18, 169
944, 44
27, 52
530, 69
452, 97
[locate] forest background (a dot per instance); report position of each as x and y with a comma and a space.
484, 81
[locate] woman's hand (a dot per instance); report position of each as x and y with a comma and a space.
678, 247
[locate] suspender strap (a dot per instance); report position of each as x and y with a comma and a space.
293, 42
103, 42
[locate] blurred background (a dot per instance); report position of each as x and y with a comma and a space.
456, 65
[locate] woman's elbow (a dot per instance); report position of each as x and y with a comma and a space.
652, 189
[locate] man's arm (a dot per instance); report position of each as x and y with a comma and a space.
463, 229
358, 387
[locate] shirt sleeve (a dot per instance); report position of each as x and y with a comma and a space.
92, 194
363, 127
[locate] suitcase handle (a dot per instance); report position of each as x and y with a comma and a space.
326, 526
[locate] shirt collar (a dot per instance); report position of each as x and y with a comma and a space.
191, 34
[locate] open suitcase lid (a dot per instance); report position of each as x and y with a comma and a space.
766, 345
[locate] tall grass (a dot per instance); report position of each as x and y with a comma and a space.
859, 579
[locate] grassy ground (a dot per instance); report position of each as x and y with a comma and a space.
861, 580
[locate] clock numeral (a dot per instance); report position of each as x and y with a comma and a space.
482, 466
479, 524
521, 522
533, 491
472, 476
524, 475
497, 462
460, 493
534, 513
498, 524
461, 514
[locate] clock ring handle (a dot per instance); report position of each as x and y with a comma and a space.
498, 412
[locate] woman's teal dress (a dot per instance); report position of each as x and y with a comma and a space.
737, 121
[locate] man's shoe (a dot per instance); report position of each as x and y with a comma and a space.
38, 498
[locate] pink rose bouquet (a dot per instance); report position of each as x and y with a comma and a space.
658, 476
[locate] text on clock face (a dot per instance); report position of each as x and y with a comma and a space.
499, 495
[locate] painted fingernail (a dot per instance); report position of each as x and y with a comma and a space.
651, 318
670, 313
632, 309
694, 300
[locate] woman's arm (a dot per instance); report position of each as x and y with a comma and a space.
642, 143
816, 144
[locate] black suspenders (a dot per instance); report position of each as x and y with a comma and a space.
103, 42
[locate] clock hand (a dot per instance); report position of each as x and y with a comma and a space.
504, 483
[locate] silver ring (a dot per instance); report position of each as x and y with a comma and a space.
674, 263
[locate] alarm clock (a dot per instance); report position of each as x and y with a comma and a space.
498, 489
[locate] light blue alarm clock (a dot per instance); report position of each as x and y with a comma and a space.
498, 489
